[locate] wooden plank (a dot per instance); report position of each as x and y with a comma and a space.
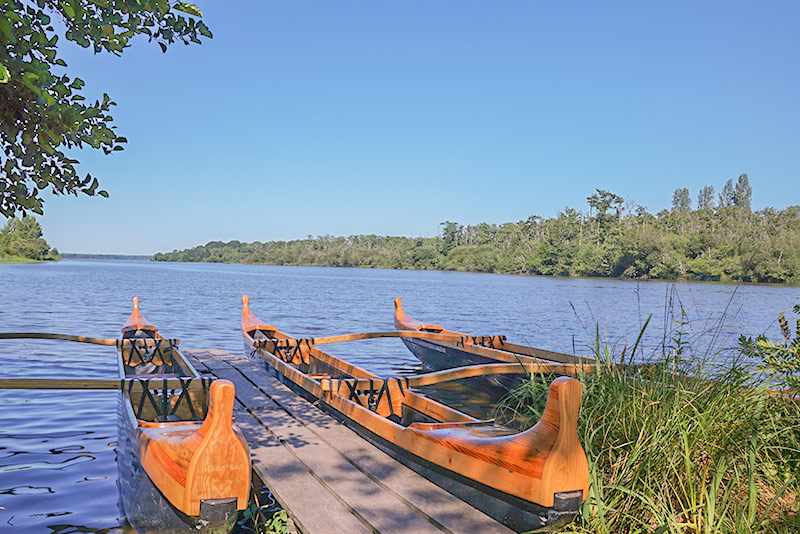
457, 338
449, 511
311, 506
211, 362
308, 433
83, 339
428, 499
380, 509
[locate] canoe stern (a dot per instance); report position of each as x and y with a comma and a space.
194, 463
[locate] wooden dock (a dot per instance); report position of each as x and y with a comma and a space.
327, 478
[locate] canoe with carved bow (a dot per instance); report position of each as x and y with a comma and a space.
456, 349
184, 465
528, 480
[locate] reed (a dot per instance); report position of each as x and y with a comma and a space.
683, 445
263, 515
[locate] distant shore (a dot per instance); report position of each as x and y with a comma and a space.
730, 282
77, 256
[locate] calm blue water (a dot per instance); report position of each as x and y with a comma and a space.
57, 461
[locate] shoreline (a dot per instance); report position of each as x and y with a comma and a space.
19, 259
622, 279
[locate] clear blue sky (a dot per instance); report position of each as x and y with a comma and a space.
358, 117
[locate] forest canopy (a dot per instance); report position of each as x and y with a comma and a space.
721, 240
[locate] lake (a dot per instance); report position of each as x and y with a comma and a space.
57, 461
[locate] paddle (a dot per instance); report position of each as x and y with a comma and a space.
93, 383
83, 339
374, 335
475, 343
438, 377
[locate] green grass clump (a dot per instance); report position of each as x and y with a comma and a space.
16, 259
680, 446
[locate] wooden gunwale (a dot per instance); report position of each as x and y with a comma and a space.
392, 432
515, 465
458, 373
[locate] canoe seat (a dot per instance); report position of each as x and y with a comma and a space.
431, 328
320, 376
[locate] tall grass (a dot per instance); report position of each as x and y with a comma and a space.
680, 445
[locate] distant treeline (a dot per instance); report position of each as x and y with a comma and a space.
720, 240
21, 239
81, 256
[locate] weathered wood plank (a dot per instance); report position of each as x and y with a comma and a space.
377, 492
312, 507
207, 359
418, 492
380, 509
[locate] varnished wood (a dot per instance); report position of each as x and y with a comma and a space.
136, 321
192, 462
371, 335
188, 461
79, 339
458, 373
80, 383
510, 463
249, 321
543, 353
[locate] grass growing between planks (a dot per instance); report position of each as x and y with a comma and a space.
681, 447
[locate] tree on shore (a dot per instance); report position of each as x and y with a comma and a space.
705, 197
681, 201
742, 193
707, 244
726, 197
43, 110
23, 238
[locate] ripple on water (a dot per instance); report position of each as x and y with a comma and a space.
57, 463
50, 476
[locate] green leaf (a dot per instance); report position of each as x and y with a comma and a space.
5, 28
203, 29
67, 10
162, 6
5, 76
186, 7
27, 80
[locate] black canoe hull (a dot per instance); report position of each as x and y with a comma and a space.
146, 508
440, 357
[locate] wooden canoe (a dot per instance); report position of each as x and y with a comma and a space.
184, 466
529, 480
463, 349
